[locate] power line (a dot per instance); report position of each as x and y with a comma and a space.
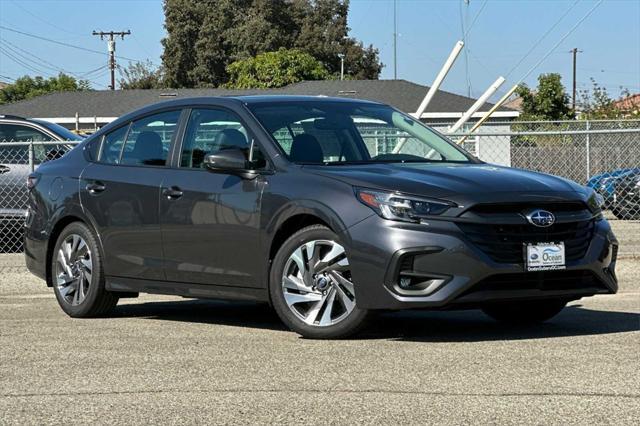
43, 63
476, 18
561, 40
73, 46
466, 48
38, 61
537, 43
42, 19
22, 63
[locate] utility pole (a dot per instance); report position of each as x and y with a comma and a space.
575, 57
341, 56
395, 39
111, 44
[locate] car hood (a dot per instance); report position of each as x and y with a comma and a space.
454, 181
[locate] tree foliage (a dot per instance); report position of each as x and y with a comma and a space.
205, 37
548, 102
275, 69
140, 75
29, 87
597, 104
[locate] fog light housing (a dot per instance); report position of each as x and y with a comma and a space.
412, 284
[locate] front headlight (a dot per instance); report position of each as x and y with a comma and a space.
406, 208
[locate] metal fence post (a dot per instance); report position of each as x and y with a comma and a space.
588, 152
31, 162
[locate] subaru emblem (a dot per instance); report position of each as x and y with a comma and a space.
541, 218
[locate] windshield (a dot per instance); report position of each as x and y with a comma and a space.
327, 132
62, 132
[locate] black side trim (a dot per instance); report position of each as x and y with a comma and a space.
205, 291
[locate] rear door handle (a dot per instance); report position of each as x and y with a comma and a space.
96, 187
172, 193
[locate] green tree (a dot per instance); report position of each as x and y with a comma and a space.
275, 69
29, 87
183, 22
548, 102
324, 34
597, 104
205, 37
140, 75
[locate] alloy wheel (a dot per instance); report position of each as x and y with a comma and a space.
74, 268
316, 283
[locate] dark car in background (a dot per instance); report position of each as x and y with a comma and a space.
626, 200
328, 209
605, 183
16, 164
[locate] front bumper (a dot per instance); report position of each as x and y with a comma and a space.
461, 274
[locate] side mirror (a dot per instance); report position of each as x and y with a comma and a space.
228, 160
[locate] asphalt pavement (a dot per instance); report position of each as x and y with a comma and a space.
167, 360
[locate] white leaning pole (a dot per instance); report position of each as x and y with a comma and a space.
476, 106
434, 88
488, 114
439, 79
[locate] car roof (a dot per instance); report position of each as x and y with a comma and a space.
227, 101
259, 99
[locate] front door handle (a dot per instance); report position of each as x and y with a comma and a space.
96, 187
172, 193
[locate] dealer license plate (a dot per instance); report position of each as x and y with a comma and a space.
544, 256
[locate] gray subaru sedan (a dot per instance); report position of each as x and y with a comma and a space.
328, 209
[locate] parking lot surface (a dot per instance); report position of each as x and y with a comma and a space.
170, 360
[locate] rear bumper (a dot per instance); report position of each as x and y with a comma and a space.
458, 274
35, 248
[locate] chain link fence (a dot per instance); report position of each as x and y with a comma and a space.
17, 161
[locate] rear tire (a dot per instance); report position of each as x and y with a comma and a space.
310, 286
77, 275
529, 312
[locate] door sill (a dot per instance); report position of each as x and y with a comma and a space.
204, 291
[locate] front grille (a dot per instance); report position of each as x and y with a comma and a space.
543, 280
504, 243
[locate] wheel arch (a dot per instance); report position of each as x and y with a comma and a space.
64, 220
290, 226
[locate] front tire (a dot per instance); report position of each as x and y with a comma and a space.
529, 312
310, 286
76, 274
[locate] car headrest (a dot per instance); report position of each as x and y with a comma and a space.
305, 148
230, 138
146, 150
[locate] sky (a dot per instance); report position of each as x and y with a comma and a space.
506, 38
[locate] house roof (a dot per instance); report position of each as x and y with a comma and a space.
401, 94
630, 102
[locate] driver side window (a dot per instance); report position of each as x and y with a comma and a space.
210, 131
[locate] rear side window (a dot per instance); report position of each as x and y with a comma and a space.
210, 131
112, 146
19, 154
149, 139
18, 133
144, 142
